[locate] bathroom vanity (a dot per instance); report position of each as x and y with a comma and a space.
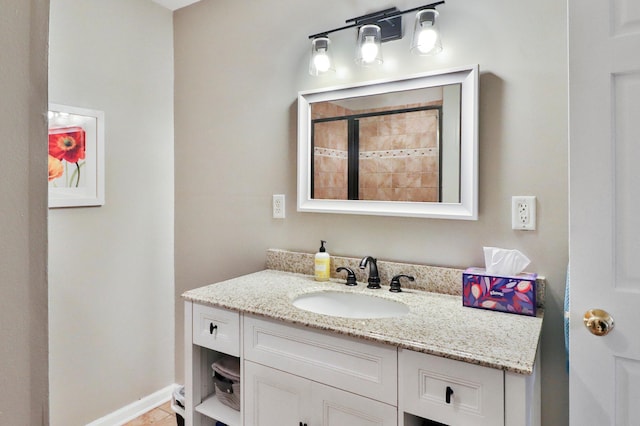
440, 362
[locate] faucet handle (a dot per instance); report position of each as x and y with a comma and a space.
395, 282
351, 276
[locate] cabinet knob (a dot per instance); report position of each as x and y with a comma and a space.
448, 395
212, 328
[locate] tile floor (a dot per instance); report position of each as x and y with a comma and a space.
161, 416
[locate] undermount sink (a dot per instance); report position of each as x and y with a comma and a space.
350, 305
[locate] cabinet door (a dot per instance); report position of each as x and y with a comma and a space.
274, 398
334, 407
450, 392
363, 368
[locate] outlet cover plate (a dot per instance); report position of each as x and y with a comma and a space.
278, 206
523, 212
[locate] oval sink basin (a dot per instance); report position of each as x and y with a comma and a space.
350, 305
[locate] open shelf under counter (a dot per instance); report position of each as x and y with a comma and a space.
214, 409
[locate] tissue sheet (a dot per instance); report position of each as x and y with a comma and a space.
499, 261
513, 294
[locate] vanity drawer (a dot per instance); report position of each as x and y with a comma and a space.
475, 393
364, 368
217, 329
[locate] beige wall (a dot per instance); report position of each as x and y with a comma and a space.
23, 210
111, 267
239, 67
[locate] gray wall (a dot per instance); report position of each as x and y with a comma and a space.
23, 213
111, 267
238, 68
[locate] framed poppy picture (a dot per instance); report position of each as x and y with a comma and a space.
76, 156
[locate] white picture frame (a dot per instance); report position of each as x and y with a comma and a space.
76, 156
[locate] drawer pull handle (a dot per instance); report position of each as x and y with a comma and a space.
448, 395
212, 328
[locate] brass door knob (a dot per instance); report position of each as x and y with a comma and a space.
598, 322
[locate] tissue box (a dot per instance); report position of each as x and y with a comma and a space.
516, 294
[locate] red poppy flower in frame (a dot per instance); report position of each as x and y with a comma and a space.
67, 143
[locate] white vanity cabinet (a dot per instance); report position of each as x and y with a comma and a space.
294, 375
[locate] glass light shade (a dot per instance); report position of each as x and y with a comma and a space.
321, 61
426, 33
369, 50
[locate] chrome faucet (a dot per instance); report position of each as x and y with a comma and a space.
374, 279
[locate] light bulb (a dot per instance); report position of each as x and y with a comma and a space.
321, 61
369, 50
427, 40
426, 33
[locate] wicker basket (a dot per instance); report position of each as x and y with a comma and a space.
226, 379
228, 394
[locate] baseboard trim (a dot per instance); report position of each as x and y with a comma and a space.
135, 409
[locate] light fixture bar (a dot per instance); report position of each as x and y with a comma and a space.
375, 17
390, 25
367, 17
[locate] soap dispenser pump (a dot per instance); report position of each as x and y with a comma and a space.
322, 263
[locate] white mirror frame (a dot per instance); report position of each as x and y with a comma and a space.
467, 209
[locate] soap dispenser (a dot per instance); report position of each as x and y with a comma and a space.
322, 263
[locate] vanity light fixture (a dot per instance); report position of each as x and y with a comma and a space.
376, 28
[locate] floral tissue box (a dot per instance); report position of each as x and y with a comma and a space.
513, 294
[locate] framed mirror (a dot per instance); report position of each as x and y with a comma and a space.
404, 147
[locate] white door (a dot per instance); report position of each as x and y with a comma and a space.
604, 116
274, 398
335, 407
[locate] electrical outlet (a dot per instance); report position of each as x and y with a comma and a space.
523, 213
278, 206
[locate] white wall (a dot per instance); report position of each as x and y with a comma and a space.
111, 267
239, 66
23, 220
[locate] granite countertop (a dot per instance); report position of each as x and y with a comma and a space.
436, 324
